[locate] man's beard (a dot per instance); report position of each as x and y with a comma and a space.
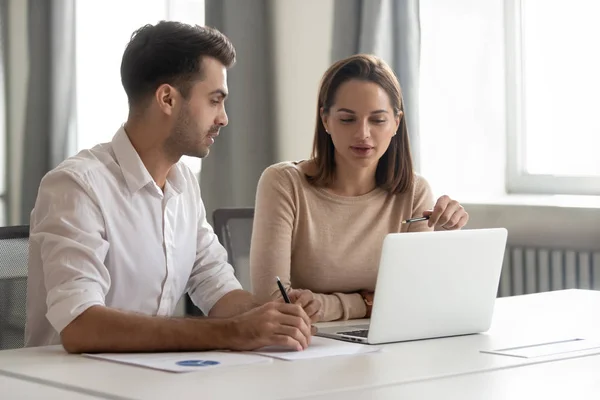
185, 141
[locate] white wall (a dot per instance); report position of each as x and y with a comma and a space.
551, 222
302, 34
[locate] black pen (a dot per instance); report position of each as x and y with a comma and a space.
282, 290
408, 221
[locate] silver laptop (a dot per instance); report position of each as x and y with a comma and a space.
430, 285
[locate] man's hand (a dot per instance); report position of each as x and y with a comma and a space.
272, 324
306, 299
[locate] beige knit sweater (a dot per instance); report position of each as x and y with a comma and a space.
327, 243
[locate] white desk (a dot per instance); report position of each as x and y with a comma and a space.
517, 321
577, 378
12, 388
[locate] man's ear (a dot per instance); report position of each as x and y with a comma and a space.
166, 97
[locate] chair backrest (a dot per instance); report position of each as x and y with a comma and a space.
233, 227
14, 250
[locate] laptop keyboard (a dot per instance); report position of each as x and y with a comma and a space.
363, 333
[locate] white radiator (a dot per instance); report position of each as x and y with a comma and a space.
532, 270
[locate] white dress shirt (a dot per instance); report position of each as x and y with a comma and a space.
103, 233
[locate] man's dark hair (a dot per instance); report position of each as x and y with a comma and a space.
170, 52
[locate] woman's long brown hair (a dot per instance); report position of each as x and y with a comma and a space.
394, 170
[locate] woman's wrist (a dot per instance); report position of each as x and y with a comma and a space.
368, 299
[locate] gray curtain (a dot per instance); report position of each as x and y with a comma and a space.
3, 106
247, 145
50, 106
391, 30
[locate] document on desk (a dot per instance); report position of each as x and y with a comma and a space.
549, 349
182, 362
319, 347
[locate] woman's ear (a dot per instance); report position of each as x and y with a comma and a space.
324, 119
398, 118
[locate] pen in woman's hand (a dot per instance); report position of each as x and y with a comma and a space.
282, 290
408, 221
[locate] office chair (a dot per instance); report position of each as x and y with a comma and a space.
233, 227
14, 250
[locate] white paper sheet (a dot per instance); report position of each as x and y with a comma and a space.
182, 362
549, 349
319, 347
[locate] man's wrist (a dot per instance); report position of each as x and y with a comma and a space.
216, 333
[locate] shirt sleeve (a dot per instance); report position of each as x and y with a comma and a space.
68, 229
212, 276
422, 201
271, 247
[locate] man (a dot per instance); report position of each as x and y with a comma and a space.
119, 232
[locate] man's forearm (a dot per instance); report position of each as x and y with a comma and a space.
102, 329
234, 303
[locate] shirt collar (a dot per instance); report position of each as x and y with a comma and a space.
176, 178
134, 171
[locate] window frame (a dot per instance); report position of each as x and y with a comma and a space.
518, 180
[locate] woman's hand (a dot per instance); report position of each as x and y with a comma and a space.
448, 214
306, 299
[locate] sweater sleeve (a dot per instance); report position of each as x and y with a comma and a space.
271, 244
271, 247
422, 201
342, 306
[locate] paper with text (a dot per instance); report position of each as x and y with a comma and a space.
182, 362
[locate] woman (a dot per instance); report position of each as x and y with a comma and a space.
319, 224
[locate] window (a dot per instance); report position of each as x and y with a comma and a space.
103, 29
461, 98
552, 90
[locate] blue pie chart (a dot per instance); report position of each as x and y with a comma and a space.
197, 363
